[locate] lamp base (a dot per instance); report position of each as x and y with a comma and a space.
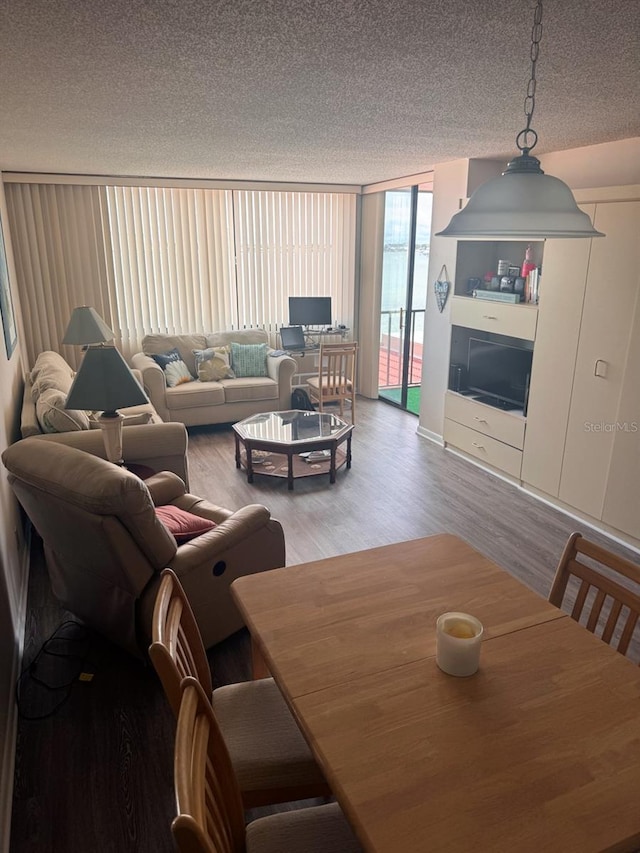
111, 426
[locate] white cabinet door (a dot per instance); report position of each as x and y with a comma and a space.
622, 498
554, 359
607, 317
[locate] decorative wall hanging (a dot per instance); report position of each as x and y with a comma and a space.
441, 288
6, 304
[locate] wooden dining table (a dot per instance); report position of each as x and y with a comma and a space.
538, 751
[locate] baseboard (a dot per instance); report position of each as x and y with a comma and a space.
430, 436
610, 532
11, 721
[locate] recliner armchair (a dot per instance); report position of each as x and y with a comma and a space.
105, 547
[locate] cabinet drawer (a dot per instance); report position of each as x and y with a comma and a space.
484, 448
503, 426
516, 321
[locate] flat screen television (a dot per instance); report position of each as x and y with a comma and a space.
499, 372
309, 310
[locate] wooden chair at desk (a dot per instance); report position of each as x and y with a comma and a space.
591, 610
268, 752
336, 379
210, 816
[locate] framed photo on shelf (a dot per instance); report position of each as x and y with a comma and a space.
6, 303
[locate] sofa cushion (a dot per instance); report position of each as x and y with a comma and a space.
249, 359
213, 364
175, 370
50, 371
196, 394
250, 388
185, 344
52, 415
181, 524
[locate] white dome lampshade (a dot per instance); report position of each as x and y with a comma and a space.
522, 204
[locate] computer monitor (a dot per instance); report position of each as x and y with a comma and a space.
310, 310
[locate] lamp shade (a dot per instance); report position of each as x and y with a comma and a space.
104, 382
521, 204
86, 326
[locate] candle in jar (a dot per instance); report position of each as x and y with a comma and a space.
458, 639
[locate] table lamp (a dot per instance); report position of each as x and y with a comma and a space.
105, 382
86, 327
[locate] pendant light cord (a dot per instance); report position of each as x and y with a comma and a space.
527, 139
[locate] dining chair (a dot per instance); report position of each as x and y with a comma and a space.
607, 600
336, 379
269, 755
209, 802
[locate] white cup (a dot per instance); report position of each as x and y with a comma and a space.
458, 639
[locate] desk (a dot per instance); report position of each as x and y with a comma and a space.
307, 359
539, 751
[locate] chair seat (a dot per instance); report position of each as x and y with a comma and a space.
343, 386
312, 830
266, 746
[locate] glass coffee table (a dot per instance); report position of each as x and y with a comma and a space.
293, 444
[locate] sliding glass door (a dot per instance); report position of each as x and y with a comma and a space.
405, 262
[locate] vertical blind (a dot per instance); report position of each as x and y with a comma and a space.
293, 244
172, 261
58, 239
167, 260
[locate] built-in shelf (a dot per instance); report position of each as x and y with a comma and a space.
474, 258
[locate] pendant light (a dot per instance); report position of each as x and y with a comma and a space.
523, 203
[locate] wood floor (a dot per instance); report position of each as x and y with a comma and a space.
96, 774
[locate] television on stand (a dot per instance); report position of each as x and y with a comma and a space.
310, 311
499, 374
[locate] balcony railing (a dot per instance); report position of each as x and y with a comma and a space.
393, 326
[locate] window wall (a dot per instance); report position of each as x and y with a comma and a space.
176, 260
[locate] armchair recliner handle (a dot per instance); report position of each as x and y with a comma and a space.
207, 547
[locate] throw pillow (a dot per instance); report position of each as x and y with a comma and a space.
249, 359
50, 371
53, 417
213, 364
175, 370
181, 524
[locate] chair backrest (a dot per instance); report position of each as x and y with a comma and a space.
337, 369
102, 540
210, 817
605, 606
177, 650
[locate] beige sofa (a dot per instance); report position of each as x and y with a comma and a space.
146, 439
213, 402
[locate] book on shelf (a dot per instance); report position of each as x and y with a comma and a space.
497, 296
315, 455
531, 286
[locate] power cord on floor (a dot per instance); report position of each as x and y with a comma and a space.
58, 645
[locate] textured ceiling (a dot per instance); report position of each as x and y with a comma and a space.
355, 91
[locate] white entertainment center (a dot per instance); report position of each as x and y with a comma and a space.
578, 445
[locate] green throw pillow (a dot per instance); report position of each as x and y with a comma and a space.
249, 359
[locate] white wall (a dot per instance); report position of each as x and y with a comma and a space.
13, 556
449, 187
371, 243
612, 164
